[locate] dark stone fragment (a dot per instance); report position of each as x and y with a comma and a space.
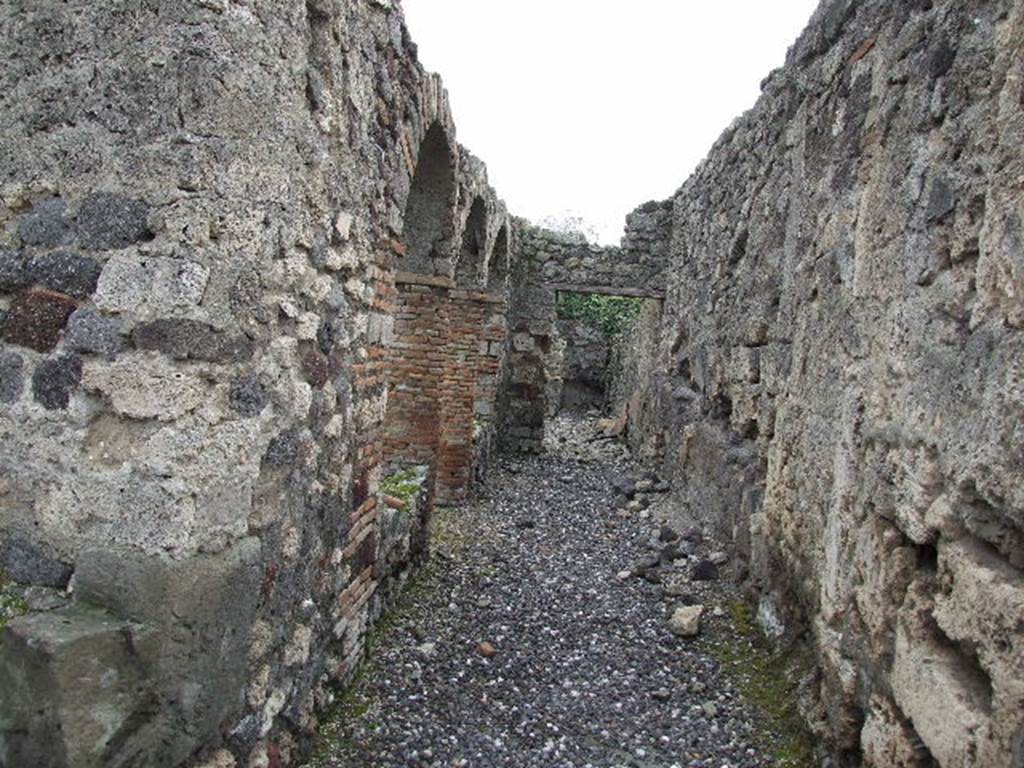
647, 561
327, 334
315, 368
55, 379
685, 548
693, 534
365, 555
687, 598
13, 275
705, 570
46, 225
246, 734
343, 389
69, 273
12, 377
191, 340
28, 563
360, 490
651, 575
941, 200
941, 58
669, 554
90, 332
247, 397
107, 220
667, 534
36, 319
284, 449
624, 486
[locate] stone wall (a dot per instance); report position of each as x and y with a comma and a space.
838, 378
632, 375
204, 210
548, 263
246, 269
584, 364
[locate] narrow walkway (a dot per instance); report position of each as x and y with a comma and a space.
580, 667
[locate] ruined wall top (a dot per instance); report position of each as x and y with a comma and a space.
567, 262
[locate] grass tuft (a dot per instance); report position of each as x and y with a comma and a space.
768, 677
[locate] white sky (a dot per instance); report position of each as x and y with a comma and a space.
596, 106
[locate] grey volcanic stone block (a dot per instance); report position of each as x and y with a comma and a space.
248, 397
284, 449
190, 340
69, 273
203, 608
55, 379
28, 563
90, 332
107, 221
73, 689
13, 275
46, 225
12, 377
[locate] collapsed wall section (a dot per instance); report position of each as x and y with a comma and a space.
837, 382
204, 209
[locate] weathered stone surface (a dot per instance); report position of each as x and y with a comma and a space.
55, 379
248, 397
47, 225
828, 367
92, 333
685, 620
204, 608
146, 386
73, 688
12, 377
13, 275
832, 378
315, 367
191, 340
65, 272
887, 739
150, 286
36, 319
108, 220
28, 563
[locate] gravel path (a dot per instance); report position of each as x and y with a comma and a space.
580, 667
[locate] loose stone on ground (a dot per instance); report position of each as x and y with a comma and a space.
536, 646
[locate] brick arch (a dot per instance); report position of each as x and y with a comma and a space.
499, 264
428, 208
474, 243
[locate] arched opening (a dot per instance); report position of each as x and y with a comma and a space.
474, 241
430, 201
498, 269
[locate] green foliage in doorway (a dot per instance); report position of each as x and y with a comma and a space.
609, 314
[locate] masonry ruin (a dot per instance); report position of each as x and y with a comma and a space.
249, 277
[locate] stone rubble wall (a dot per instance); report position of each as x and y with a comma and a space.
838, 383
631, 376
550, 262
584, 366
203, 209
